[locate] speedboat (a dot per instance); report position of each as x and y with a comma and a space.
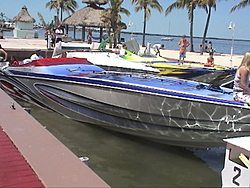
111, 61
146, 58
106, 59
187, 70
162, 109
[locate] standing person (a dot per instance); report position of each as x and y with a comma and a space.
209, 47
3, 54
210, 60
205, 46
123, 50
36, 55
48, 37
183, 43
58, 33
157, 48
241, 92
201, 48
89, 37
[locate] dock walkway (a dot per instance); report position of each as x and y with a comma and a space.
32, 157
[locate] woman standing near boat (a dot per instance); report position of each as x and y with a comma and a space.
241, 81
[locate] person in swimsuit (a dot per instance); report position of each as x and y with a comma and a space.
183, 43
210, 60
241, 92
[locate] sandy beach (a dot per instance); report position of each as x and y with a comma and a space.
219, 59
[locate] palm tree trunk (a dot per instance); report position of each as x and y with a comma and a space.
144, 28
206, 28
57, 16
61, 14
191, 31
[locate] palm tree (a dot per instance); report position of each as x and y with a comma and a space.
190, 5
47, 26
64, 5
208, 5
240, 5
144, 5
54, 5
112, 16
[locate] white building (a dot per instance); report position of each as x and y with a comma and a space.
23, 24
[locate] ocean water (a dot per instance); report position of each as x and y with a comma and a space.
240, 47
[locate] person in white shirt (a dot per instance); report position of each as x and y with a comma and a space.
123, 50
36, 55
157, 48
59, 33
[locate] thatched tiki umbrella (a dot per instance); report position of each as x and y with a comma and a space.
98, 2
24, 16
90, 16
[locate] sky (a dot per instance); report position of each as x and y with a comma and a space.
175, 23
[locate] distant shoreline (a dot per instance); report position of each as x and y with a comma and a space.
162, 35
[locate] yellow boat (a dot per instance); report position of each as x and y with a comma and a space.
143, 58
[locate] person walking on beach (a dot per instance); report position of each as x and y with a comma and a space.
241, 92
3, 54
157, 47
183, 43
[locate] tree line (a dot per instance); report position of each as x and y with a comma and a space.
112, 15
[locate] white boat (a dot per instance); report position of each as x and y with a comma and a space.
113, 62
167, 38
106, 59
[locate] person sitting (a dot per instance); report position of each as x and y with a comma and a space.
13, 61
36, 55
157, 47
210, 60
241, 92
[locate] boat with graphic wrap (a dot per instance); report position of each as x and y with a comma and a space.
166, 110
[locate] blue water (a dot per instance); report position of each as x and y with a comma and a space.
220, 45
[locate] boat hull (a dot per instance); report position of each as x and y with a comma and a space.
160, 116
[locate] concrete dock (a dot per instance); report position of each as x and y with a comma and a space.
53, 163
